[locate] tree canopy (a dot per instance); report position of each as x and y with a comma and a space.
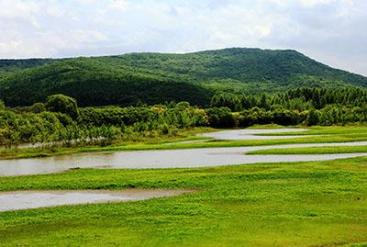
152, 78
61, 103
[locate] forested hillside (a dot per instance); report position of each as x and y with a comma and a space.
14, 65
93, 84
281, 67
153, 78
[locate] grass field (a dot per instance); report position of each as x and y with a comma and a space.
305, 204
282, 204
328, 130
313, 150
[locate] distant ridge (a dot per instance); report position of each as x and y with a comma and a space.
157, 77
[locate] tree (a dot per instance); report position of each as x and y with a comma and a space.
232, 101
313, 118
2, 105
38, 108
264, 102
220, 117
63, 104
183, 105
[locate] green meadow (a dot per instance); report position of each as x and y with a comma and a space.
304, 204
280, 204
314, 150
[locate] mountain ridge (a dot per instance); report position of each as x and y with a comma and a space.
251, 70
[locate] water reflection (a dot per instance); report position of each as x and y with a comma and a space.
202, 157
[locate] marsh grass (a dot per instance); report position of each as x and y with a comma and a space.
313, 150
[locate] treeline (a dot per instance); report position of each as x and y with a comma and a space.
330, 115
309, 106
60, 121
295, 99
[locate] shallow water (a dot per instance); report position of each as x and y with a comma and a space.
253, 134
184, 158
10, 201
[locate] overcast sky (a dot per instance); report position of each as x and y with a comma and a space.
331, 31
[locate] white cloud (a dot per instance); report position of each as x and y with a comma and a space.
120, 5
312, 3
330, 30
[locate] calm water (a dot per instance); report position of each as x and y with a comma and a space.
168, 158
253, 134
10, 201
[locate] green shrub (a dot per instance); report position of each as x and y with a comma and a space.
63, 104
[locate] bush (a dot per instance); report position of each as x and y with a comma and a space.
313, 118
2, 105
37, 108
220, 117
63, 104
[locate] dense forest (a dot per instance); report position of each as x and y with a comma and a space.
95, 84
100, 100
151, 78
60, 121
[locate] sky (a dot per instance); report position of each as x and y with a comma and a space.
331, 31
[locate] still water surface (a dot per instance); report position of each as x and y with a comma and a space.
19, 200
184, 158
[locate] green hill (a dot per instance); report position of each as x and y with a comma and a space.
157, 78
9, 66
278, 67
93, 83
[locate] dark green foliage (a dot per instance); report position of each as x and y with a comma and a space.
230, 100
63, 104
51, 129
181, 115
95, 84
38, 108
220, 117
311, 106
64, 119
152, 78
103, 125
28, 127
276, 67
95, 126
13, 64
296, 99
320, 97
313, 118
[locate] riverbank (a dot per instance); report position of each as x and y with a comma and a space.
189, 139
159, 159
